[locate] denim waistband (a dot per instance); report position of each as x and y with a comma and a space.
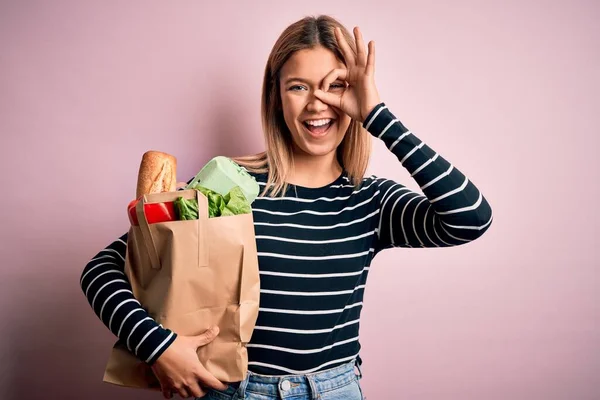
289, 386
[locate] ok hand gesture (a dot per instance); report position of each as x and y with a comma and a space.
360, 95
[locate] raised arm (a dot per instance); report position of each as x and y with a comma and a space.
452, 211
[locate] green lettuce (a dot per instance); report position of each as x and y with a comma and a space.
236, 203
186, 209
233, 203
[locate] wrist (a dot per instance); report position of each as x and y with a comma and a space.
162, 347
369, 110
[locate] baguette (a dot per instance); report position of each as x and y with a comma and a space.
158, 173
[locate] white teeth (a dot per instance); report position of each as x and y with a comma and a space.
319, 122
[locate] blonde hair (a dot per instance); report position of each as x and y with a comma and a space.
353, 152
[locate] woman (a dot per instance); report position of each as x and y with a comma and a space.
318, 222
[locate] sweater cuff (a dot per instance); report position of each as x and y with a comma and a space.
368, 121
380, 120
155, 345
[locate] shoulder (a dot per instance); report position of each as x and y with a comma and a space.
367, 186
260, 177
371, 181
376, 186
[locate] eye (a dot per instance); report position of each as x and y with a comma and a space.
337, 86
295, 88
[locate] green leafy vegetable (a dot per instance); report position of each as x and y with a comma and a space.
236, 203
233, 203
186, 209
215, 201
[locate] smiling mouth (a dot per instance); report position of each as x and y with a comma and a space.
318, 130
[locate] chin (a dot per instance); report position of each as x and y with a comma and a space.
308, 147
317, 152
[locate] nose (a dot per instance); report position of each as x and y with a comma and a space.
315, 105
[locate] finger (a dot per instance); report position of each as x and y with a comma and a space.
196, 390
183, 393
165, 389
345, 47
207, 336
371, 59
361, 57
331, 99
167, 393
179, 185
212, 382
332, 76
208, 380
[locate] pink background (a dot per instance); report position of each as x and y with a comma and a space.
509, 93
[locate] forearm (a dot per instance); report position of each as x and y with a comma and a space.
453, 207
109, 293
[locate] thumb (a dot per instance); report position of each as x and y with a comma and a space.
328, 98
207, 336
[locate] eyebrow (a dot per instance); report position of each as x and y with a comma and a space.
298, 79
295, 78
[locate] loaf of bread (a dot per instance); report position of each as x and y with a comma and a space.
158, 173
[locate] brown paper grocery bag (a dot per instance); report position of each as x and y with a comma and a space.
190, 275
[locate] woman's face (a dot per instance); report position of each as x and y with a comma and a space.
317, 128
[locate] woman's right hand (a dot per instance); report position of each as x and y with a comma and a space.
179, 370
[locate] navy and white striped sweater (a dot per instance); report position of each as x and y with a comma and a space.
315, 246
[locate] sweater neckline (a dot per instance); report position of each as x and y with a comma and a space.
312, 192
308, 192
339, 180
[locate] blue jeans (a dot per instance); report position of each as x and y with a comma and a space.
333, 384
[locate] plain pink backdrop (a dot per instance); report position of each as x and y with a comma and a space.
507, 91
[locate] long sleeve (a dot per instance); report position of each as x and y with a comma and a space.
109, 293
452, 210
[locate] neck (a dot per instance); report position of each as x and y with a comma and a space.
314, 171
